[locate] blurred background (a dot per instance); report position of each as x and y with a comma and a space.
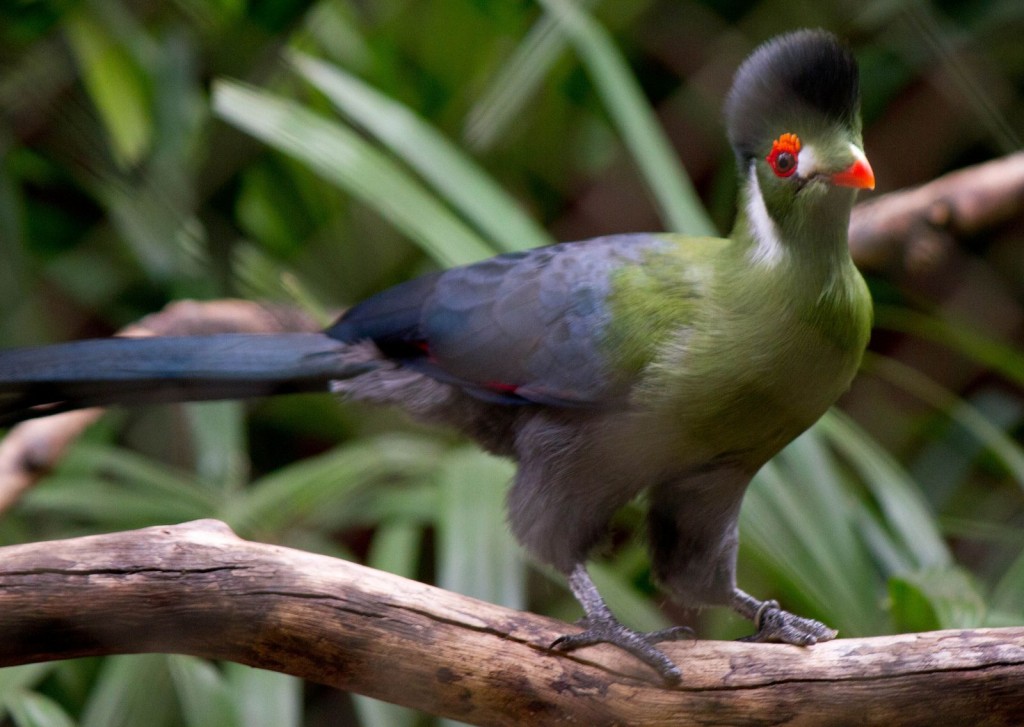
312, 153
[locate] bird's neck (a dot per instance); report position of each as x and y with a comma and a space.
808, 240
798, 263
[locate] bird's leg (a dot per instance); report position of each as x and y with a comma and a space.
774, 624
603, 628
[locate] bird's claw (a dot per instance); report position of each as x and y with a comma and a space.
778, 626
638, 643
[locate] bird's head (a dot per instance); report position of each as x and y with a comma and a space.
793, 118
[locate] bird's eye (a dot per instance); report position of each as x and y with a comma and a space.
782, 158
785, 164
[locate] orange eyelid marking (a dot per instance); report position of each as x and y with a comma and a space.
785, 144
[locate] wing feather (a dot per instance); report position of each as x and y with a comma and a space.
526, 327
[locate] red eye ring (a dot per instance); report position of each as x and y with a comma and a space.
783, 157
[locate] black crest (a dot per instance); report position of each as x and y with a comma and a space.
797, 77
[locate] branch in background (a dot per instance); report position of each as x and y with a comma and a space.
910, 230
199, 589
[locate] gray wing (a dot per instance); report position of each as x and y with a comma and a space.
524, 327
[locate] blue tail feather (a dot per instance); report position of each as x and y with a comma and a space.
40, 381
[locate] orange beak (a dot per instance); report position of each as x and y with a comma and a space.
858, 175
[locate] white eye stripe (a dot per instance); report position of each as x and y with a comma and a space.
806, 161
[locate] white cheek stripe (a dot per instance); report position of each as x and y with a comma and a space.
768, 250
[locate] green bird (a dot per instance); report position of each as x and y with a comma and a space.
670, 365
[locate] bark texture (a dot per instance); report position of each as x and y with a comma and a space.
198, 589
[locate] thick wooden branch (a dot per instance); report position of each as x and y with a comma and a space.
199, 589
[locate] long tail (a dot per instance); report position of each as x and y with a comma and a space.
50, 379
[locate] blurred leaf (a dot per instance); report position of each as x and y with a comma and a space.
516, 82
415, 501
30, 709
1008, 595
343, 158
302, 489
636, 609
114, 488
798, 516
334, 25
935, 598
260, 276
681, 208
455, 176
264, 698
97, 504
911, 607
204, 696
218, 436
15, 680
131, 691
1009, 452
478, 556
396, 548
903, 509
115, 83
968, 341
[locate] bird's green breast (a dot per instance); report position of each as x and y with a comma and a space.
738, 358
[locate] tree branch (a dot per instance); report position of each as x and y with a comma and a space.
912, 229
199, 589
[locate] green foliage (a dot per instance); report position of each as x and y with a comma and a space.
317, 152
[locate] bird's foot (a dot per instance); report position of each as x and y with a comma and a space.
778, 626
607, 630
601, 627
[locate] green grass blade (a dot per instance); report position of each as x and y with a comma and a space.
1008, 594
218, 434
116, 85
264, 698
935, 598
113, 488
636, 609
454, 175
477, 554
16, 680
677, 200
396, 548
968, 341
515, 83
202, 692
130, 691
342, 157
969, 417
798, 517
31, 709
902, 505
305, 490
888, 553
